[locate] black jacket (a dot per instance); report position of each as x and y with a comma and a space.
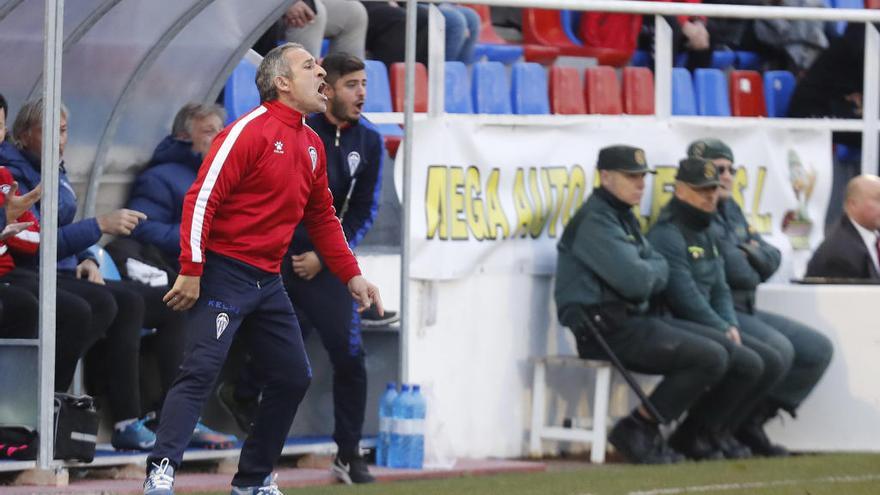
842, 254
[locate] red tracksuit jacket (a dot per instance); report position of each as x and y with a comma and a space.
263, 174
26, 242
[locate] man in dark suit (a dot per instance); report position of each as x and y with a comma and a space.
851, 249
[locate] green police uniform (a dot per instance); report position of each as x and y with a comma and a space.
605, 261
698, 290
749, 261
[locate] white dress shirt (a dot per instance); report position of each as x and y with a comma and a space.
869, 237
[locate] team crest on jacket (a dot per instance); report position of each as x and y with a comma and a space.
5, 188
222, 323
354, 159
313, 154
279, 147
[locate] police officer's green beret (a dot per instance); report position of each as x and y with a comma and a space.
697, 172
627, 159
709, 148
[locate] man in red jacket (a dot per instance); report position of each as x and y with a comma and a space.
263, 175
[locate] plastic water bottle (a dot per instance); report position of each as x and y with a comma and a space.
418, 408
397, 450
386, 403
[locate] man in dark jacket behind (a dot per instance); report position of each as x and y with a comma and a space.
749, 261
158, 191
606, 265
698, 292
850, 251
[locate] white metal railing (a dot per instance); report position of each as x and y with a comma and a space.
869, 124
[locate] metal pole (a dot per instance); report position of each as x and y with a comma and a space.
406, 318
871, 100
662, 68
52, 40
436, 61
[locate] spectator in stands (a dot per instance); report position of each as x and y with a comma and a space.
344, 22
117, 310
832, 87
850, 250
748, 261
149, 257
795, 43
689, 35
698, 291
386, 32
507, 22
462, 31
354, 170
606, 265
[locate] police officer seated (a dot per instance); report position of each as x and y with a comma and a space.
606, 265
698, 292
749, 261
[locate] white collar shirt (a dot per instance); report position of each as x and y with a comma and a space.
869, 237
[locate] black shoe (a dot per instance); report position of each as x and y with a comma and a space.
370, 318
696, 445
243, 412
752, 435
730, 446
352, 471
639, 441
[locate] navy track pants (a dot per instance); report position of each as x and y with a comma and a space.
236, 295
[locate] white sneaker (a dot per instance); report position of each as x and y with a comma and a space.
268, 488
160, 481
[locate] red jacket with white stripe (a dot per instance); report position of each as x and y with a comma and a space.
264, 174
26, 242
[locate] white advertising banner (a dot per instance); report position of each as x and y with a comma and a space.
495, 198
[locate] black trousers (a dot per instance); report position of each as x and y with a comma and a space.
702, 370
325, 304
386, 33
76, 329
236, 296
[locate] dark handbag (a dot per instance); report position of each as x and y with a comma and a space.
76, 427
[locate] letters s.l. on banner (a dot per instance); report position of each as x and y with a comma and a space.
495, 198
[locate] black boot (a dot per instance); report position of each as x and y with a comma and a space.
695, 442
730, 446
639, 441
751, 433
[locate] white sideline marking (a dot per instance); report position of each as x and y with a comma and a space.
757, 484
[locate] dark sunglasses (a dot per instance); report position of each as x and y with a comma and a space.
726, 168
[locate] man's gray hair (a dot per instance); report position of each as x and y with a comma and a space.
183, 121
29, 117
272, 66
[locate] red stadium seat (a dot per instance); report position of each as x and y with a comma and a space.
544, 27
872, 4
638, 91
566, 97
602, 91
747, 94
398, 82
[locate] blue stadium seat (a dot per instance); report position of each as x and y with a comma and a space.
490, 90
748, 61
378, 87
778, 87
379, 95
570, 20
325, 47
506, 54
711, 90
723, 59
641, 58
683, 100
106, 263
458, 89
680, 60
528, 89
240, 94
846, 4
